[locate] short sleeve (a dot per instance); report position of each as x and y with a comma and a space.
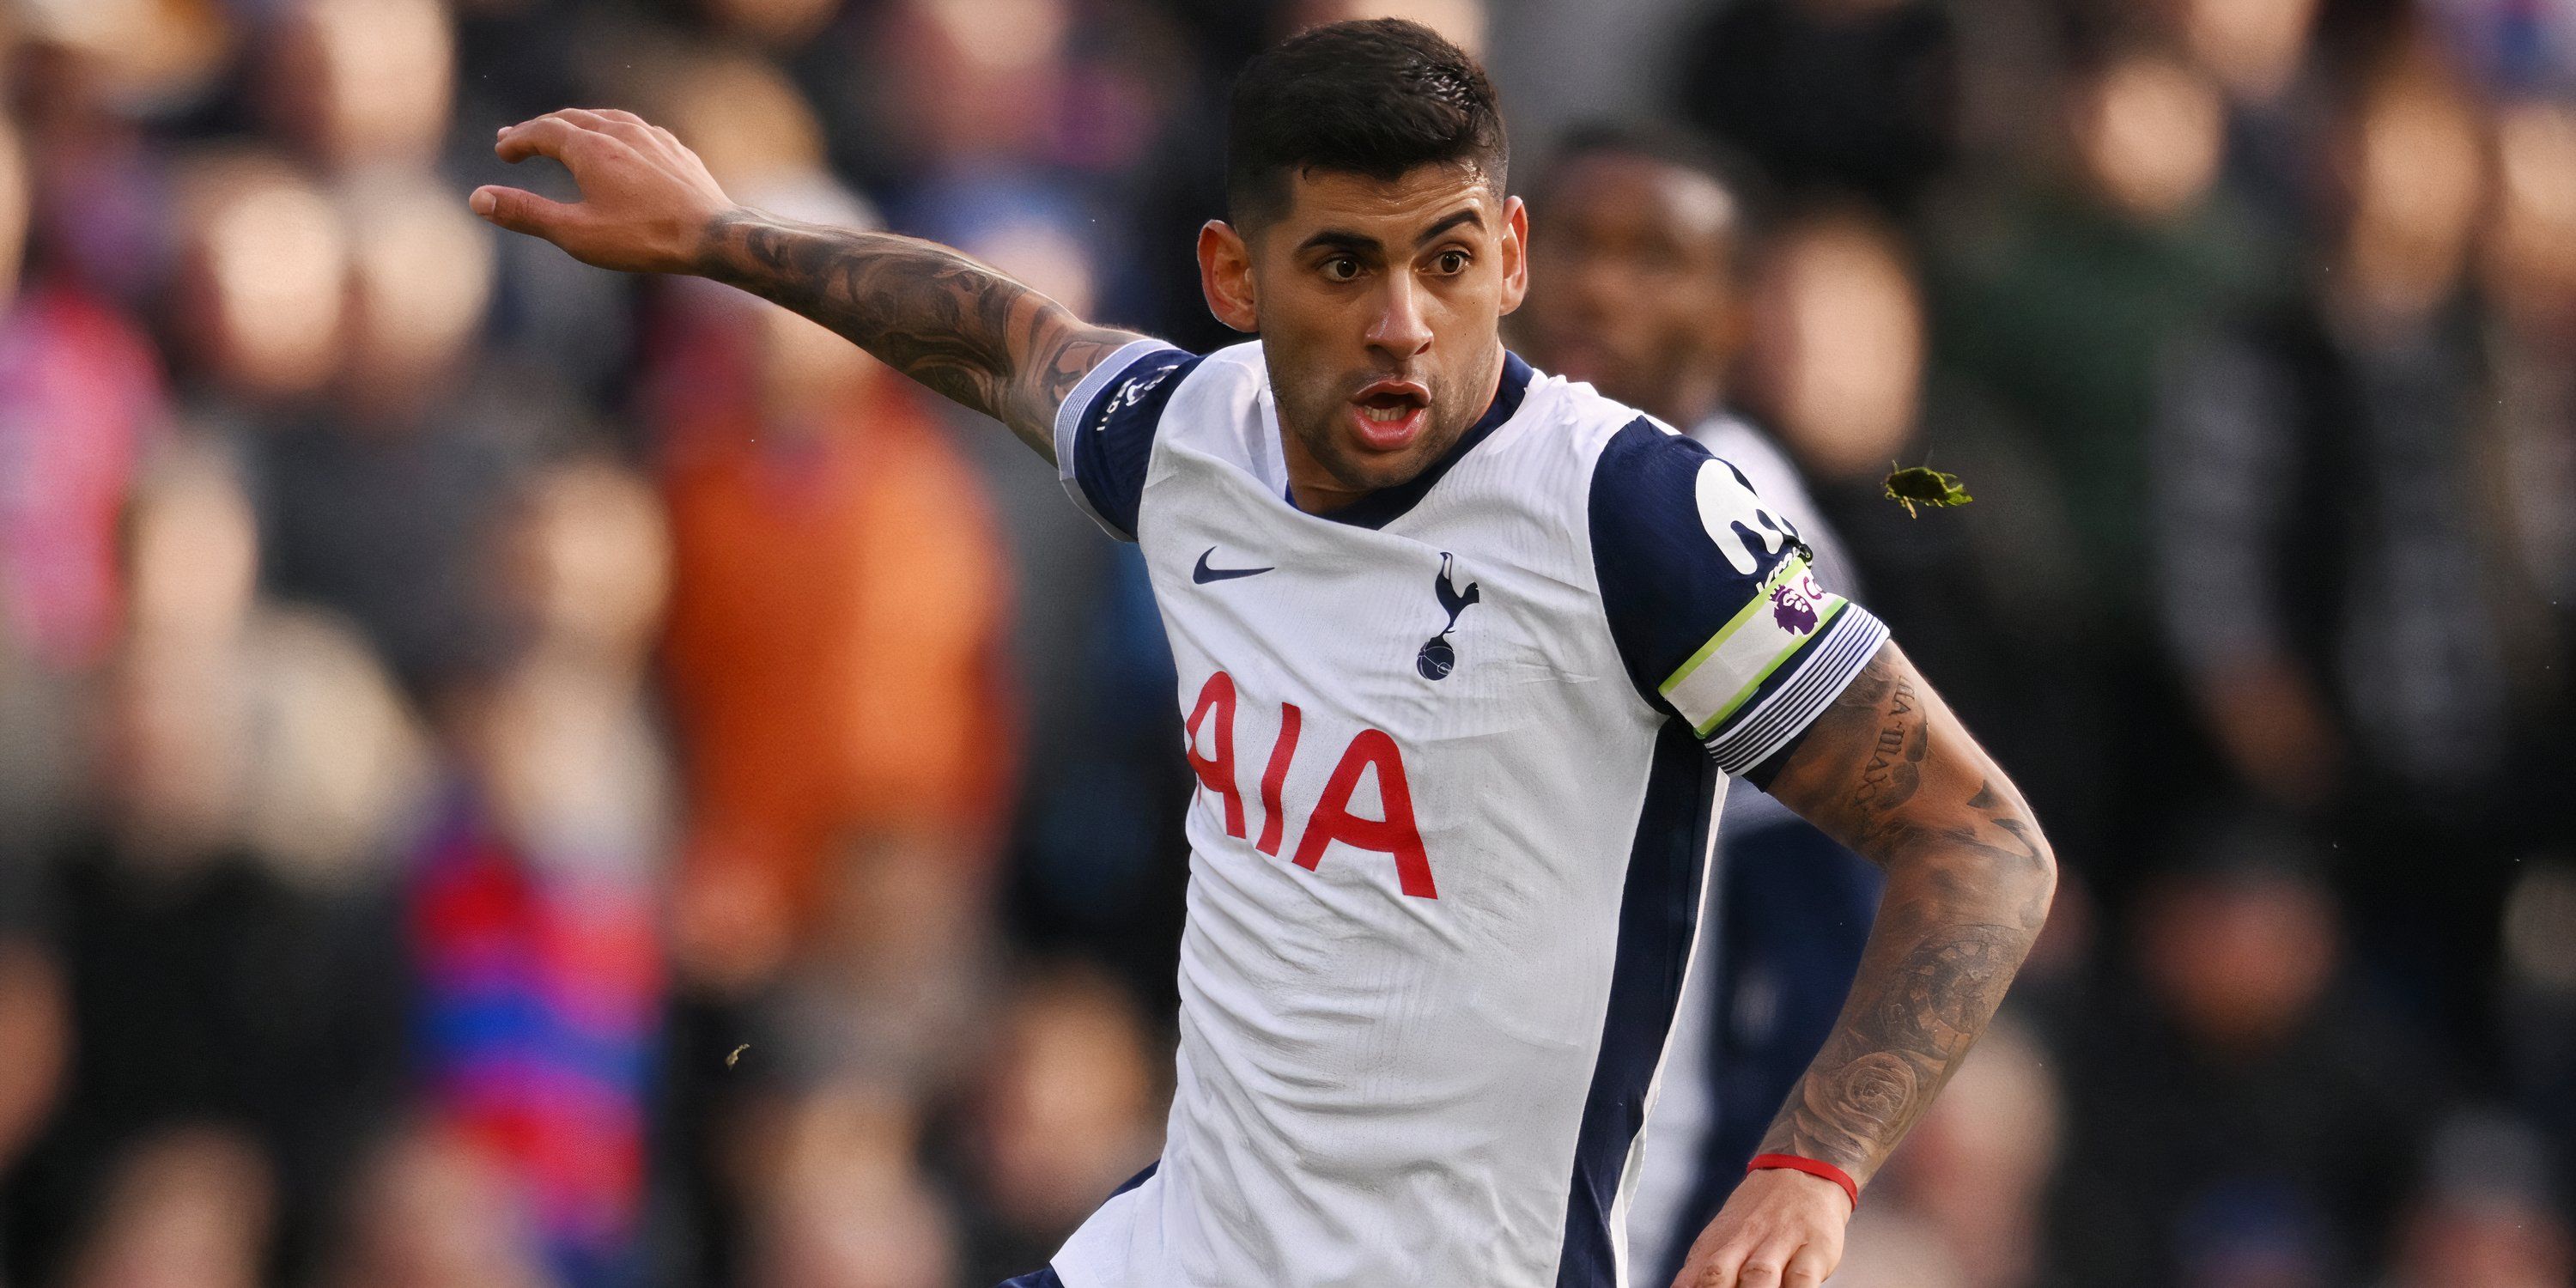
1710, 598
1104, 432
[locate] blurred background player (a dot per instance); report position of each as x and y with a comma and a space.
1639, 240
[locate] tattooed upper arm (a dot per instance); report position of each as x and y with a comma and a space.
1889, 771
964, 329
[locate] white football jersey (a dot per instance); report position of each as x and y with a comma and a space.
1459, 748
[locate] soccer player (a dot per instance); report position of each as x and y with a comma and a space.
1467, 656
1637, 237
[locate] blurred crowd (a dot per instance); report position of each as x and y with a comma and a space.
517, 777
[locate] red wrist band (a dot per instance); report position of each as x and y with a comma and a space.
1793, 1163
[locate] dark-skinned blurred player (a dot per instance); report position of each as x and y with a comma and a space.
1637, 237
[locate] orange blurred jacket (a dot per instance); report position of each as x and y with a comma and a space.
839, 604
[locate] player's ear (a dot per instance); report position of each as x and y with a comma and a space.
1515, 253
1225, 275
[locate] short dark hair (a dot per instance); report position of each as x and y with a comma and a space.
1376, 97
1678, 147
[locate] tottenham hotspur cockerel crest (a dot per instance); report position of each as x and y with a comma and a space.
1438, 657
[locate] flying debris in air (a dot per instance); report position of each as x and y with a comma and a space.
1915, 485
736, 1056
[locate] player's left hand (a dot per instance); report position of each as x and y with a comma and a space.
1780, 1229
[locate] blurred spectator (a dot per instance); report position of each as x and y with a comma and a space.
1463, 22
2059, 303
80, 397
1831, 96
2248, 1120
374, 495
2520, 45
1987, 598
142, 56
188, 1208
1068, 1108
2265, 56
531, 899
433, 1211
2527, 274
834, 639
2062, 301
841, 1199
2332, 520
2538, 1003
2490, 1214
212, 977
259, 297
357, 83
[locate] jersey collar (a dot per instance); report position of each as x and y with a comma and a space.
1387, 504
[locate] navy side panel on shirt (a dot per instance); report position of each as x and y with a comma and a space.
1710, 599
1658, 918
1104, 433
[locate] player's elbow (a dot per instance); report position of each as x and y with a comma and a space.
2025, 870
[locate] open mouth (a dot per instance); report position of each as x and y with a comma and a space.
1390, 414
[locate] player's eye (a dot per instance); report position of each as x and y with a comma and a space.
1341, 268
1451, 262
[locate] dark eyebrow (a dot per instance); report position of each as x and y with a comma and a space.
1361, 244
1341, 240
1469, 215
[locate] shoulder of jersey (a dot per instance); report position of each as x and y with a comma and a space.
1576, 418
1220, 399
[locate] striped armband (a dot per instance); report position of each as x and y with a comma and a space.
1772, 668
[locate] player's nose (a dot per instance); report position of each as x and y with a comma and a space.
1401, 326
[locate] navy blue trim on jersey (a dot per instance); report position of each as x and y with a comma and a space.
1663, 582
1658, 911
1668, 590
1387, 504
1104, 433
1042, 1277
1136, 1180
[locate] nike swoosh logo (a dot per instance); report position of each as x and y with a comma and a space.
1204, 574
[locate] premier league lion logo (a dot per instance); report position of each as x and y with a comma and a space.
1793, 608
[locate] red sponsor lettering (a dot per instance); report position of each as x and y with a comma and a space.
1394, 834
1216, 772
1275, 776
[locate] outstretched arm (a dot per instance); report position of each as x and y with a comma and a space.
649, 206
1888, 771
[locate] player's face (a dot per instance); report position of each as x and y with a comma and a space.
1379, 305
1635, 291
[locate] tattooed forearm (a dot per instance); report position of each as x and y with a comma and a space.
953, 324
1890, 772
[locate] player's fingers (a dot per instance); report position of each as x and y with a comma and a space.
547, 136
519, 211
1719, 1267
1806, 1270
1761, 1270
623, 126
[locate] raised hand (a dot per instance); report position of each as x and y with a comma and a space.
647, 203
